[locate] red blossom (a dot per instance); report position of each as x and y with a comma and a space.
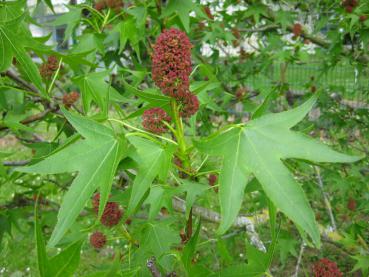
326, 268
297, 29
115, 5
152, 120
212, 179
112, 212
47, 69
70, 98
351, 204
171, 62
98, 240
99, 6
190, 104
352, 3
363, 17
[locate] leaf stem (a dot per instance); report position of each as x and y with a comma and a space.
142, 131
54, 77
179, 134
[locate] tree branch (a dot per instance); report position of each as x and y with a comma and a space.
209, 215
322, 42
152, 267
33, 118
16, 163
12, 75
326, 198
299, 259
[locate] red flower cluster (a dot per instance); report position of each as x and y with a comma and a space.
98, 240
350, 5
171, 63
189, 104
326, 268
297, 29
171, 69
47, 69
351, 204
115, 5
363, 17
152, 120
70, 98
112, 213
212, 179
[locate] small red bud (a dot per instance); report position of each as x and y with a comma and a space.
98, 240
351, 204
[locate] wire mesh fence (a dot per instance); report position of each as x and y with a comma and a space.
346, 80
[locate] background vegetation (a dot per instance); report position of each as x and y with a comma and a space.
249, 59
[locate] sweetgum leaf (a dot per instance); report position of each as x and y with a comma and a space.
67, 261
258, 148
14, 46
154, 160
256, 266
95, 158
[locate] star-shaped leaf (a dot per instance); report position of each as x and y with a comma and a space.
95, 158
94, 88
182, 9
153, 160
259, 148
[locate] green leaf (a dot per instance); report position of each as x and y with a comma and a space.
9, 36
153, 160
182, 9
157, 238
95, 158
11, 12
257, 265
193, 190
189, 249
94, 88
156, 100
6, 54
42, 261
155, 201
129, 32
66, 262
258, 148
362, 263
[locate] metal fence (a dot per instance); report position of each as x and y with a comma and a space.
346, 80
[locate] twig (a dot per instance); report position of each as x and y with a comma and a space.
152, 267
299, 259
209, 215
322, 42
33, 118
12, 75
15, 163
326, 198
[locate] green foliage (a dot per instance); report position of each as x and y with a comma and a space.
95, 158
259, 148
235, 190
